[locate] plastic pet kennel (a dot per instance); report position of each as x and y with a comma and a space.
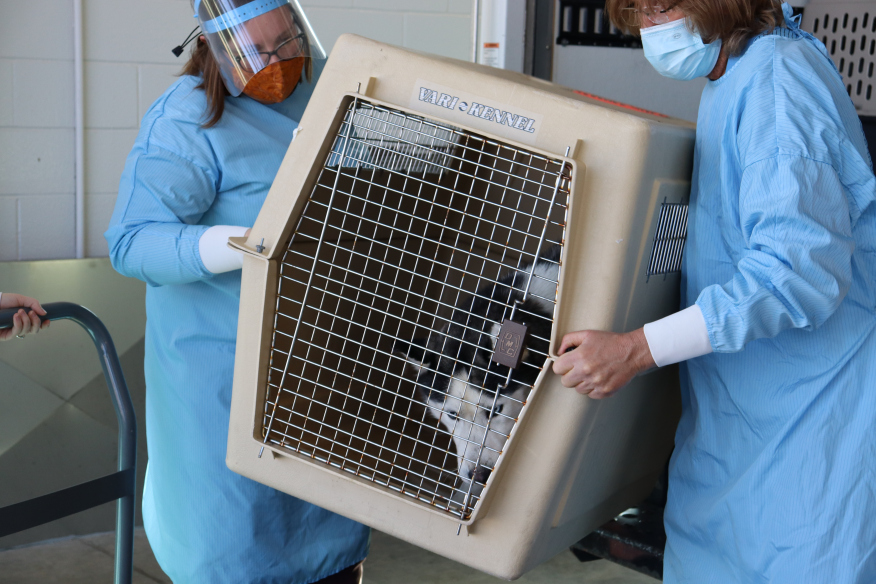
430, 216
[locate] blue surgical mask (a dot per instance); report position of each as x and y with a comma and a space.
678, 53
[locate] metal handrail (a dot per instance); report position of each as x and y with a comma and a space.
120, 485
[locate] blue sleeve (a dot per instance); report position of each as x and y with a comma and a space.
796, 267
153, 235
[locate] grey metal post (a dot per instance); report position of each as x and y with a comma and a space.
121, 485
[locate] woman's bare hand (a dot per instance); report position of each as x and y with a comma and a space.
599, 363
24, 322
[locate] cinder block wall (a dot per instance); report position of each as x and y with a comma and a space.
128, 64
50, 386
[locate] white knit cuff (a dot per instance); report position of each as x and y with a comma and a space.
678, 337
215, 253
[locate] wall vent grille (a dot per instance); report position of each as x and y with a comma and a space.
848, 30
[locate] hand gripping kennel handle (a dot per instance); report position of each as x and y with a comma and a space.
119, 485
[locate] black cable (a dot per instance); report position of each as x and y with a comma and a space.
178, 50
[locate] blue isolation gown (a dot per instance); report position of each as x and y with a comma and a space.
205, 523
773, 478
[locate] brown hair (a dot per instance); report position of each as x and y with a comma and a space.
202, 63
732, 21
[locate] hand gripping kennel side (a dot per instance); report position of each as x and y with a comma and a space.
435, 229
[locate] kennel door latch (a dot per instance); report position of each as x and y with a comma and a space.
509, 345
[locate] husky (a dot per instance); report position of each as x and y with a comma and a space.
457, 379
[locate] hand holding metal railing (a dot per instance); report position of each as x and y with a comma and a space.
27, 318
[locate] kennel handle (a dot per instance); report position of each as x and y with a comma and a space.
120, 485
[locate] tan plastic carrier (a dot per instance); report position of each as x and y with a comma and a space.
423, 203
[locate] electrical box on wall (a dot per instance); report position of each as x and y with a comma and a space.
500, 35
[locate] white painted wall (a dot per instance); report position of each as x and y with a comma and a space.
128, 64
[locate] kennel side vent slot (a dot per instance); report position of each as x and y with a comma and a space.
669, 240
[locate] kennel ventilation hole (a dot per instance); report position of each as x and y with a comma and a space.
848, 30
669, 239
408, 219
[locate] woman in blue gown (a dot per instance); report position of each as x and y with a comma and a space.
199, 172
773, 477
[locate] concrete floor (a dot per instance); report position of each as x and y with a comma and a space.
89, 560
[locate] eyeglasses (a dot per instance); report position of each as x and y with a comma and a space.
288, 49
634, 17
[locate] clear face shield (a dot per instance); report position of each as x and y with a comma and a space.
262, 47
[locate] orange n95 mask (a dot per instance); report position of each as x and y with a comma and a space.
275, 82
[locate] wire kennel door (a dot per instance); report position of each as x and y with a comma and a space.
408, 219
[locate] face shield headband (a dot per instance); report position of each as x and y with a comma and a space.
246, 38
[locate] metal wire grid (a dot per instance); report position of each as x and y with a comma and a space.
408, 219
413, 151
669, 239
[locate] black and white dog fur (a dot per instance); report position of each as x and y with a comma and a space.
457, 379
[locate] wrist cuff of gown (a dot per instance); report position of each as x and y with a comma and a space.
678, 337
215, 253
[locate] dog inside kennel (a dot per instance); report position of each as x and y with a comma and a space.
435, 228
